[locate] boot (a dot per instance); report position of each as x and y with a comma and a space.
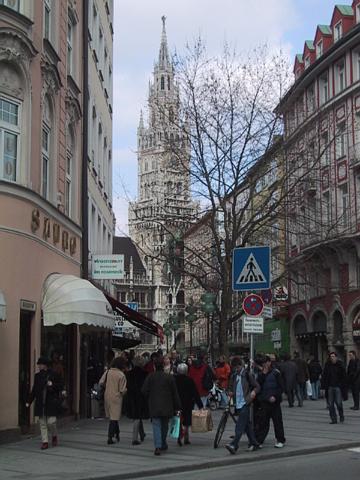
44, 446
186, 436
110, 441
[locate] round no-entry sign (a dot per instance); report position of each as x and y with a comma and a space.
253, 304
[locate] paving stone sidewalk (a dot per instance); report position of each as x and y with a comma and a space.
84, 454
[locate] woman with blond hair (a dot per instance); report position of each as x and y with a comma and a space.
114, 382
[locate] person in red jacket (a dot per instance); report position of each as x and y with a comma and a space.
222, 374
203, 377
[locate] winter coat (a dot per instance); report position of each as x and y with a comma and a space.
334, 375
222, 374
248, 384
315, 370
136, 403
271, 384
303, 371
197, 372
353, 372
188, 397
160, 390
289, 372
47, 397
114, 392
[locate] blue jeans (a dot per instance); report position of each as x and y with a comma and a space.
243, 425
315, 387
224, 399
335, 397
160, 430
299, 392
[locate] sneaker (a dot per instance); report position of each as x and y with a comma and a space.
229, 447
279, 445
44, 446
253, 448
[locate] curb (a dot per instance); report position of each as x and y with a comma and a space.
226, 462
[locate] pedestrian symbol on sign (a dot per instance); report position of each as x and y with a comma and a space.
251, 273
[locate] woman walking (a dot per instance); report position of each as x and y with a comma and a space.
188, 396
135, 401
160, 390
114, 381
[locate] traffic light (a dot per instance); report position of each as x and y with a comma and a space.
208, 302
191, 310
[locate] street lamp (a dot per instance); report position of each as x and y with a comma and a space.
191, 318
174, 325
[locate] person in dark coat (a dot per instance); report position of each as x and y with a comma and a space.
188, 397
315, 372
302, 377
136, 404
353, 378
333, 382
289, 372
46, 392
163, 399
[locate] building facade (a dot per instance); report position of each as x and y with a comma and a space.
164, 208
101, 220
41, 218
322, 134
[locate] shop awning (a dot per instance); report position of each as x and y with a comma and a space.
136, 318
68, 299
2, 306
123, 343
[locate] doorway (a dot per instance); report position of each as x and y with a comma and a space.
24, 369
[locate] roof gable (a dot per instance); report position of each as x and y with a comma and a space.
345, 10
125, 246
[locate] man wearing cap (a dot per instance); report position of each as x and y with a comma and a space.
46, 393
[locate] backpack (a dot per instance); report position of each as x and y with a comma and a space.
207, 380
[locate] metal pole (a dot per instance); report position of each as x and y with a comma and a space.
208, 331
191, 339
251, 350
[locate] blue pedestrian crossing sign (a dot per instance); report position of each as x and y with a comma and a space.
251, 268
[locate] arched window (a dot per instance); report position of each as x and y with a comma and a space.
46, 147
162, 83
69, 173
9, 138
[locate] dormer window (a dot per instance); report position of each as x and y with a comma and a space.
358, 13
13, 4
338, 31
319, 49
307, 61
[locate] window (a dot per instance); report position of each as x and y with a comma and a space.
325, 150
13, 4
307, 61
319, 49
326, 211
9, 135
324, 88
340, 76
70, 47
344, 206
337, 31
311, 99
356, 64
358, 13
45, 161
47, 19
162, 83
341, 142
121, 297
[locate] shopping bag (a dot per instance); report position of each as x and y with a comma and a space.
175, 427
201, 421
308, 388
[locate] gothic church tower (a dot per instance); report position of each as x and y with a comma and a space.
164, 208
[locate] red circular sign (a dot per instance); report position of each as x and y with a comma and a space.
253, 304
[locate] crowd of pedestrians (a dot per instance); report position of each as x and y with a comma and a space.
163, 386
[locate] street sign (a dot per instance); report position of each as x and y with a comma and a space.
133, 305
276, 335
267, 312
253, 325
251, 268
253, 304
107, 267
266, 295
281, 294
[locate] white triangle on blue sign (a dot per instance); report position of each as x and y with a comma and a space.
251, 272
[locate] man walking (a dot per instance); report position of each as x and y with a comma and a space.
334, 383
302, 377
353, 377
243, 388
269, 402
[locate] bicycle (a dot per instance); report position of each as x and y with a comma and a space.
223, 421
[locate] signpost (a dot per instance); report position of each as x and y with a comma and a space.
107, 267
251, 268
253, 305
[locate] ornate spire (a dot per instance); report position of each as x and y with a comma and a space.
141, 121
163, 53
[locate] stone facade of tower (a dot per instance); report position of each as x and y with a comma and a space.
164, 207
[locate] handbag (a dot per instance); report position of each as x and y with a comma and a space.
201, 421
308, 388
100, 391
175, 427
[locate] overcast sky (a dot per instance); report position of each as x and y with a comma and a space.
137, 25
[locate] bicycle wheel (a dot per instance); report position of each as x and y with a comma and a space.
220, 429
212, 404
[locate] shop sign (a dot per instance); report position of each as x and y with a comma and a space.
27, 306
52, 231
276, 335
123, 328
107, 267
